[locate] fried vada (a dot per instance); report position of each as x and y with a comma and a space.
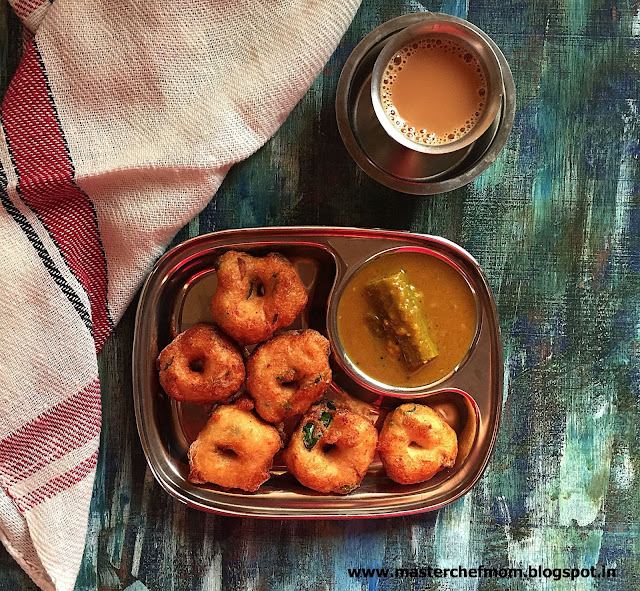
416, 443
235, 449
331, 449
288, 373
255, 296
201, 365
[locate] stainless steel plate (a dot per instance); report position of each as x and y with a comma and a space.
391, 163
176, 295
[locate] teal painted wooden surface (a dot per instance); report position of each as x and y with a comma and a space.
555, 223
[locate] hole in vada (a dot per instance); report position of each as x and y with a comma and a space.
290, 386
256, 288
328, 448
197, 365
227, 452
288, 382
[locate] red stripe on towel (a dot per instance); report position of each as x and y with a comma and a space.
45, 182
23, 8
51, 435
58, 484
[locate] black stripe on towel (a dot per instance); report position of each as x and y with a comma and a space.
42, 252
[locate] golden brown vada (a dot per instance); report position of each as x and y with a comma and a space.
201, 365
415, 443
235, 449
256, 296
288, 373
331, 449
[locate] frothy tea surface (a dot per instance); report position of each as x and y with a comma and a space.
434, 90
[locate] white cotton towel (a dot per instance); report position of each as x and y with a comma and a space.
118, 127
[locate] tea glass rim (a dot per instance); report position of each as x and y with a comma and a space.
471, 37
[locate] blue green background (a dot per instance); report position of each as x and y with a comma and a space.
555, 224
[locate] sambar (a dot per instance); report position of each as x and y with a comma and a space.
448, 304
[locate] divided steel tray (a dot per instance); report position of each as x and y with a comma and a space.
177, 294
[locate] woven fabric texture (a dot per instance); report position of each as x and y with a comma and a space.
119, 126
